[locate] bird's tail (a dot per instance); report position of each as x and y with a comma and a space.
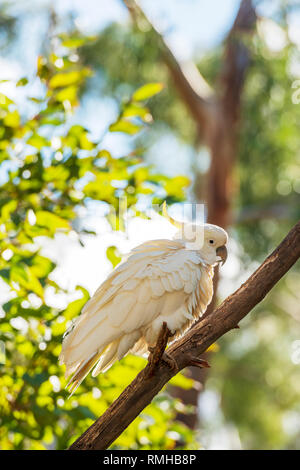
105, 358
82, 371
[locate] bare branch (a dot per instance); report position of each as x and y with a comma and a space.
193, 88
204, 333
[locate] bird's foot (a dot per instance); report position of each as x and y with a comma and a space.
170, 361
157, 353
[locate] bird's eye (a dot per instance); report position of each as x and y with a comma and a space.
211, 242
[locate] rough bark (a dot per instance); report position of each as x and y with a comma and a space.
194, 343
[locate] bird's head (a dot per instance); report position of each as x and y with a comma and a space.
210, 240
214, 244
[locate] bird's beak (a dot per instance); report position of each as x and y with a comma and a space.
222, 252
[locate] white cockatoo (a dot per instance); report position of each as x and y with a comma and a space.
161, 281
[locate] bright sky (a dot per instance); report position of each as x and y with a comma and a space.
190, 24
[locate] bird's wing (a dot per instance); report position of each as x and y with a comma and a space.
156, 280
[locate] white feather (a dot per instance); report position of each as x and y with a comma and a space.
160, 281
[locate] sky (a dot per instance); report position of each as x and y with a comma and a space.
189, 25
179, 20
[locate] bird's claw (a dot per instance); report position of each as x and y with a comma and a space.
158, 353
170, 361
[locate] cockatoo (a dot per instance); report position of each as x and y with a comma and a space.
162, 281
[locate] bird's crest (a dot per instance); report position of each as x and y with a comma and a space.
174, 222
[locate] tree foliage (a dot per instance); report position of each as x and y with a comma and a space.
50, 169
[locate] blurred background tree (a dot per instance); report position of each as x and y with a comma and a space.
250, 398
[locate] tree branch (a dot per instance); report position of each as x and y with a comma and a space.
195, 92
236, 60
204, 333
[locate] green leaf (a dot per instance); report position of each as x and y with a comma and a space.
125, 126
65, 79
59, 173
52, 221
136, 110
84, 142
41, 266
100, 188
22, 82
75, 307
24, 276
181, 381
113, 255
69, 93
12, 119
175, 186
75, 41
5, 101
7, 209
37, 141
147, 91
19, 274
